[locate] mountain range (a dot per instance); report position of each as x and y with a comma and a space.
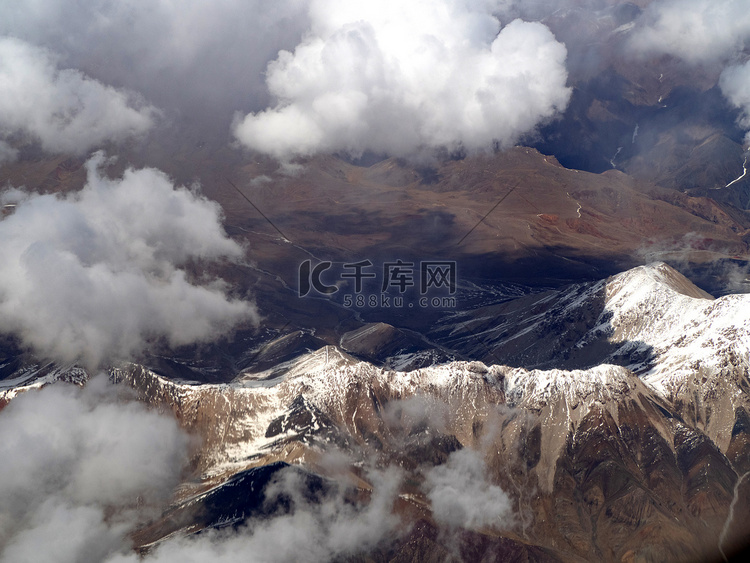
617, 426
220, 336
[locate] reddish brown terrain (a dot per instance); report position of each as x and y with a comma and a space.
584, 395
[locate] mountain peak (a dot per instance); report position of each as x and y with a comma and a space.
656, 275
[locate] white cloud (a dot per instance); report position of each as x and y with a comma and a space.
398, 77
313, 532
203, 59
391, 76
462, 496
83, 468
702, 32
64, 533
80, 468
96, 275
64, 110
735, 85
697, 31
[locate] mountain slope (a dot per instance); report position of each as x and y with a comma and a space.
638, 461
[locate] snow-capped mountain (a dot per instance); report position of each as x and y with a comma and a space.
631, 445
688, 347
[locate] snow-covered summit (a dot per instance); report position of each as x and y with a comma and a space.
686, 330
677, 348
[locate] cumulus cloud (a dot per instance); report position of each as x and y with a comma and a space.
697, 31
735, 85
462, 496
702, 32
64, 110
81, 468
98, 274
388, 77
84, 467
314, 531
193, 59
398, 77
